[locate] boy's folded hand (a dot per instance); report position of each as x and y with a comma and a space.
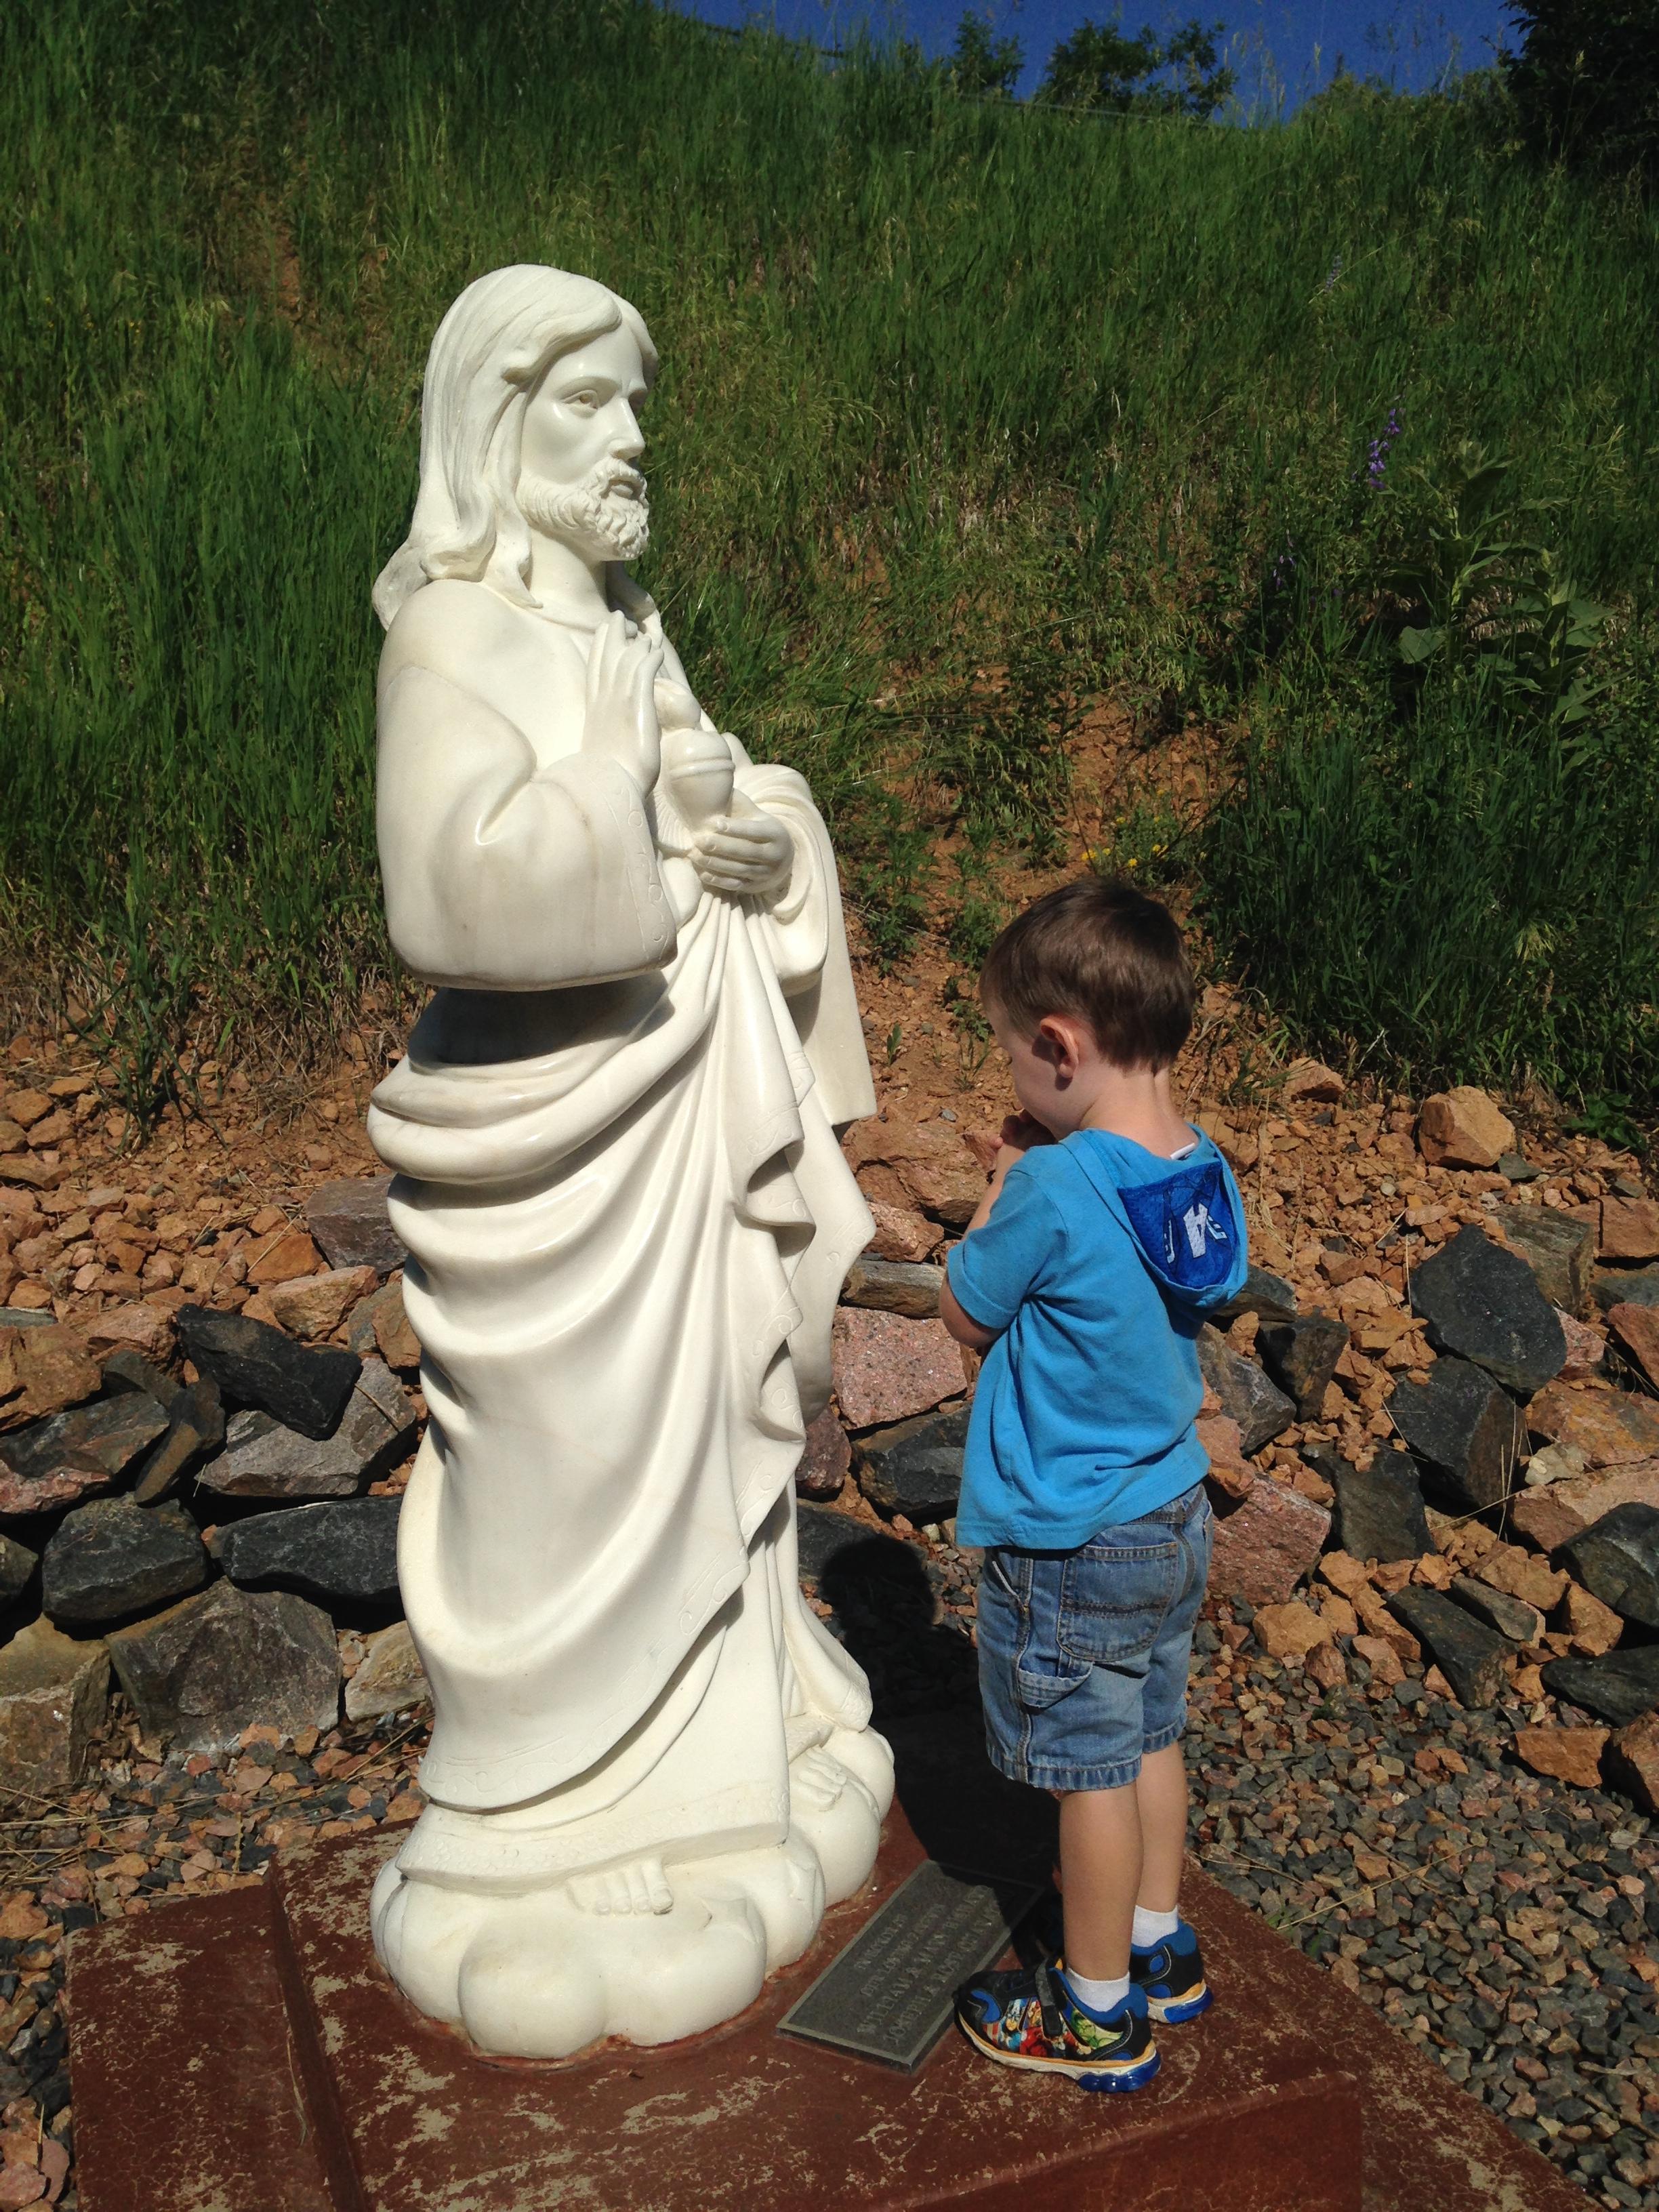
1020, 1132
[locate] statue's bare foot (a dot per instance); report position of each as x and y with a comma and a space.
838, 1812
637, 1888
618, 1951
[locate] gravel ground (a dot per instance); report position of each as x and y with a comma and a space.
1505, 1923
149, 1831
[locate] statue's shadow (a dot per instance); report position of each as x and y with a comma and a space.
923, 1681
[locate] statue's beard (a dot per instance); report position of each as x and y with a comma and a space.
608, 517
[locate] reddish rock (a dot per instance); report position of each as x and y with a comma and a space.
888, 1367
1587, 1347
1309, 1082
1288, 1631
1630, 1229
42, 1371
902, 1233
279, 1258
1594, 1627
1338, 1614
144, 1329
1610, 1428
1325, 1665
1551, 1517
826, 1459
313, 1306
1265, 1546
1522, 1574
1343, 1573
1223, 1442
1569, 1755
1380, 1655
929, 1167
1631, 1762
1637, 1329
26, 1108
1464, 1128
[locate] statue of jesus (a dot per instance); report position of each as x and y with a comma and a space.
628, 1222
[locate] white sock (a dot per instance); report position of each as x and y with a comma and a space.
1097, 1996
1152, 1928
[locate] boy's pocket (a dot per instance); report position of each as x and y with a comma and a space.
1113, 1599
1037, 1689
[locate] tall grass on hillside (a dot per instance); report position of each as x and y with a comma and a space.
948, 387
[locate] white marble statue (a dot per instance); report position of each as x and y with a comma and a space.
630, 1221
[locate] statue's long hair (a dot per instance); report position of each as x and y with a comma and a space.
492, 349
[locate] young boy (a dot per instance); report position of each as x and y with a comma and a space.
1110, 1226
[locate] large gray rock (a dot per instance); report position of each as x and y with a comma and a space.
1625, 1287
1559, 1250
1261, 1410
1621, 1687
196, 1426
204, 1670
1462, 1427
914, 1468
1616, 1559
17, 1564
1379, 1513
69, 1456
263, 1458
339, 1553
1485, 1304
901, 1286
350, 1221
1301, 1356
1270, 1297
1510, 1616
53, 1695
1470, 1655
112, 1558
257, 1367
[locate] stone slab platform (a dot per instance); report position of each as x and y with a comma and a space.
245, 2053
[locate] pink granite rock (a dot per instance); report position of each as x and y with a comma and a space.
888, 1367
1268, 1542
1555, 1514
826, 1458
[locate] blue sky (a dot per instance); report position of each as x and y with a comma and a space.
1283, 50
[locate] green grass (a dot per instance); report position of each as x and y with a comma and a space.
945, 385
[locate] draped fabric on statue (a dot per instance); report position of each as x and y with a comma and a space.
628, 1221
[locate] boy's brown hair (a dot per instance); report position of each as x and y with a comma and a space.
1106, 954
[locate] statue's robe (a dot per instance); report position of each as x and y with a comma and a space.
628, 1221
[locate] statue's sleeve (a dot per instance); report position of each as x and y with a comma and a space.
806, 937
500, 876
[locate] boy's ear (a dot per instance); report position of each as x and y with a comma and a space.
1057, 1039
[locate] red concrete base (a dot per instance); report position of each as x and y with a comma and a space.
246, 2054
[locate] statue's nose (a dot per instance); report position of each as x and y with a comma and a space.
628, 444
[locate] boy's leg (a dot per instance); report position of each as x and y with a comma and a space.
1101, 1852
1161, 1802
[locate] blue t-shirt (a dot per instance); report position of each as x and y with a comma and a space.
1096, 1265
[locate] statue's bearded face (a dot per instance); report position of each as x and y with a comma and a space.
608, 517
581, 438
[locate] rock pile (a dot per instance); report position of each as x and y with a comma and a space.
1424, 1450
183, 1489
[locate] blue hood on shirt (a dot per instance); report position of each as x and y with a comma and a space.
1186, 1216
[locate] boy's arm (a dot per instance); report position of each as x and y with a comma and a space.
1019, 1133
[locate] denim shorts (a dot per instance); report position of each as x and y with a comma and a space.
1082, 1655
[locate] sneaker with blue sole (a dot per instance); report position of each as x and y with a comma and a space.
1027, 2018
1171, 1974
